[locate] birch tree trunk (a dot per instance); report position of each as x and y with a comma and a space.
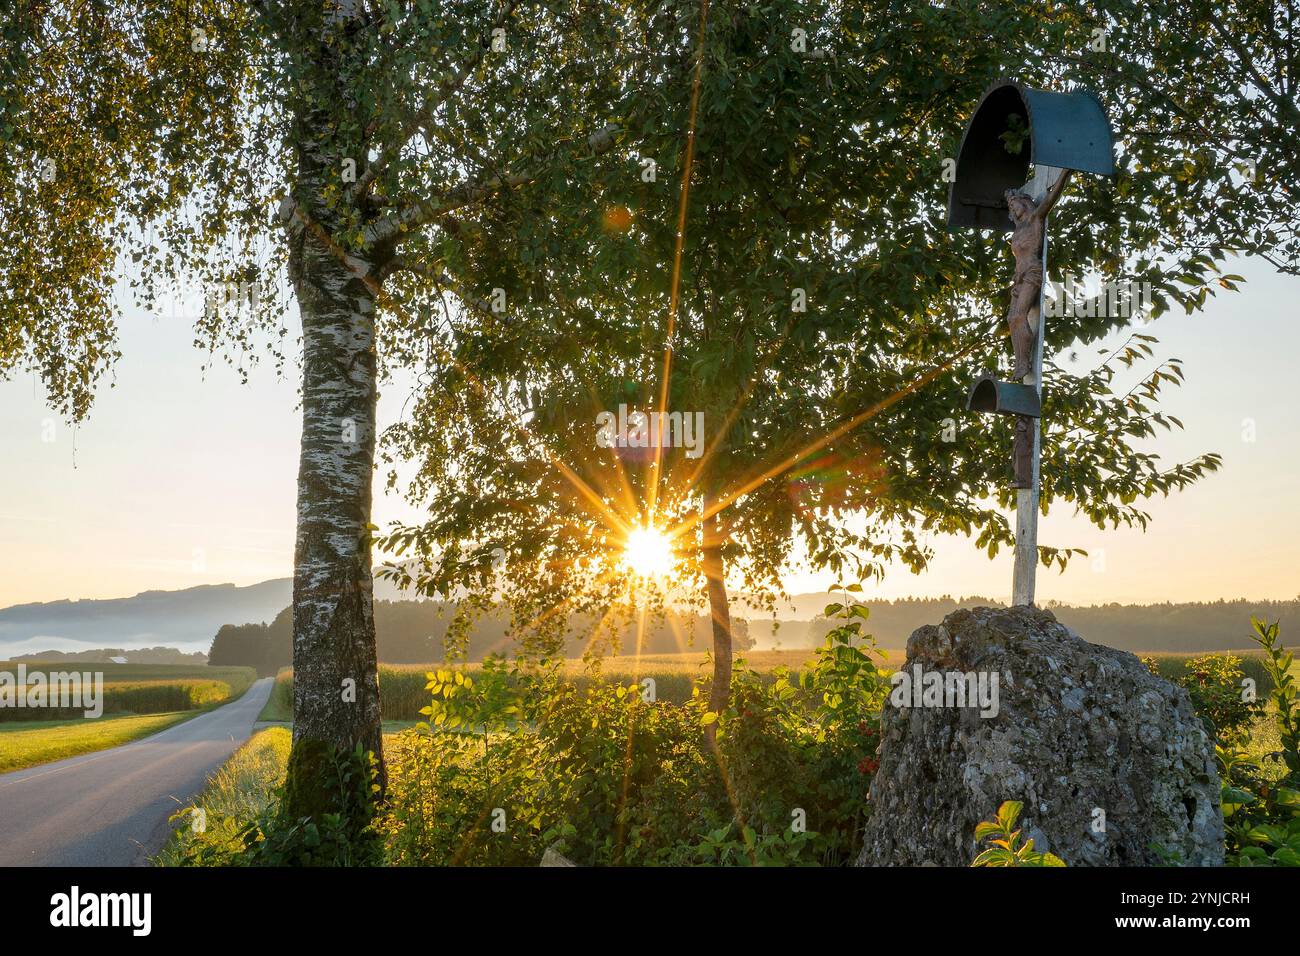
336, 682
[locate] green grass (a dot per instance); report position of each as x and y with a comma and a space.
239, 791
30, 743
139, 699
279, 706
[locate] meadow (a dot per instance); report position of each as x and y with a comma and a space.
613, 778
30, 743
138, 699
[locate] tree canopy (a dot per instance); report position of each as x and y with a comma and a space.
827, 324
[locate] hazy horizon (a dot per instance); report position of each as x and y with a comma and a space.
737, 597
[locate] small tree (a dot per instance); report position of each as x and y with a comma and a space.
766, 246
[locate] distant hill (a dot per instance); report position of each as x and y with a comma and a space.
109, 655
185, 619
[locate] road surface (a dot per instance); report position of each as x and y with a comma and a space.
111, 807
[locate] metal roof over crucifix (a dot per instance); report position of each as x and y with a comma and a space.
1064, 130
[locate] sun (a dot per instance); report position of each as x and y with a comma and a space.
648, 553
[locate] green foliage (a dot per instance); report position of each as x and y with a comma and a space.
492, 702
1262, 814
1279, 662
1210, 116
813, 415
1004, 846
265, 648
341, 833
617, 779
1016, 134
1219, 689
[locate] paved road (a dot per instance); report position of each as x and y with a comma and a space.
110, 808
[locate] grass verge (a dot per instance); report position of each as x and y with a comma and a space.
30, 743
241, 789
238, 792
279, 706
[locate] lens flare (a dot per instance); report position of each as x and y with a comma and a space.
648, 553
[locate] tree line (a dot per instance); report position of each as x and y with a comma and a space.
1189, 627
417, 632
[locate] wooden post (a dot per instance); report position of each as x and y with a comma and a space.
1026, 563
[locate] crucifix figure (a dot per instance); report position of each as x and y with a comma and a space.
1029, 218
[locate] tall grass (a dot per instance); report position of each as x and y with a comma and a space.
238, 792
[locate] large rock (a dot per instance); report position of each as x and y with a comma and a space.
1078, 731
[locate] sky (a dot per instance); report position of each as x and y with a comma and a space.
180, 477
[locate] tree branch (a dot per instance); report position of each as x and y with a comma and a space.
423, 211
1281, 103
440, 279
423, 116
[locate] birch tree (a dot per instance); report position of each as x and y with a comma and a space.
376, 159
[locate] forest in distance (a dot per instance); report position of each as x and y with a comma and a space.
413, 632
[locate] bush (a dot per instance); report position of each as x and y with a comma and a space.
513, 761
1217, 685
1262, 814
